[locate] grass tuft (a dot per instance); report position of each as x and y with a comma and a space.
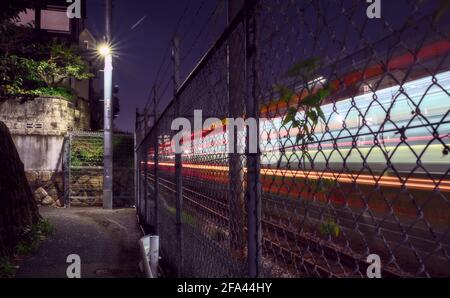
29, 242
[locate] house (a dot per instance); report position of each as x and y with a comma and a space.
50, 20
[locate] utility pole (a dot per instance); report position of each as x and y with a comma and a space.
107, 147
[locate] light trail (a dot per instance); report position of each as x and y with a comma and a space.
413, 183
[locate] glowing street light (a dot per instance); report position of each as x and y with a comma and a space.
104, 50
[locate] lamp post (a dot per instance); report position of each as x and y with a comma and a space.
106, 52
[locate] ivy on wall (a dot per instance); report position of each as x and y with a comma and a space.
88, 151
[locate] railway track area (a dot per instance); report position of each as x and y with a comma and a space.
297, 251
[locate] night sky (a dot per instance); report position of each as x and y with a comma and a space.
142, 49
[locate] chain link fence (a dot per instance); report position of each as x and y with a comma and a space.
83, 169
352, 134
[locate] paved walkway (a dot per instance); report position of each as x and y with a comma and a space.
106, 241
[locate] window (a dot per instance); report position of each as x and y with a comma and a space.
55, 20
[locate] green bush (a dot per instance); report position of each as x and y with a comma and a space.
329, 227
30, 239
7, 268
186, 217
63, 92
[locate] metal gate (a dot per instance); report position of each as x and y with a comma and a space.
83, 169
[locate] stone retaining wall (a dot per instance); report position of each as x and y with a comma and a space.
49, 116
38, 128
51, 182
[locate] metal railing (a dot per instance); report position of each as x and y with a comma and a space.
353, 131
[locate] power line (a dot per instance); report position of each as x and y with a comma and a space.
177, 27
165, 63
203, 28
194, 18
167, 52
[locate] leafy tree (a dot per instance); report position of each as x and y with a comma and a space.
11, 8
315, 93
310, 104
45, 75
61, 63
30, 66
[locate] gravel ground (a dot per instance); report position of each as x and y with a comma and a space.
106, 241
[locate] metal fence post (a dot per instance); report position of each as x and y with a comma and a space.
66, 166
156, 179
253, 158
155, 161
136, 163
142, 188
140, 185
236, 98
178, 165
145, 184
138, 175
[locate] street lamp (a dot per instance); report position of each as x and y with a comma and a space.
106, 52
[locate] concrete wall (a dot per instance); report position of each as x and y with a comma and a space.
38, 128
40, 152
